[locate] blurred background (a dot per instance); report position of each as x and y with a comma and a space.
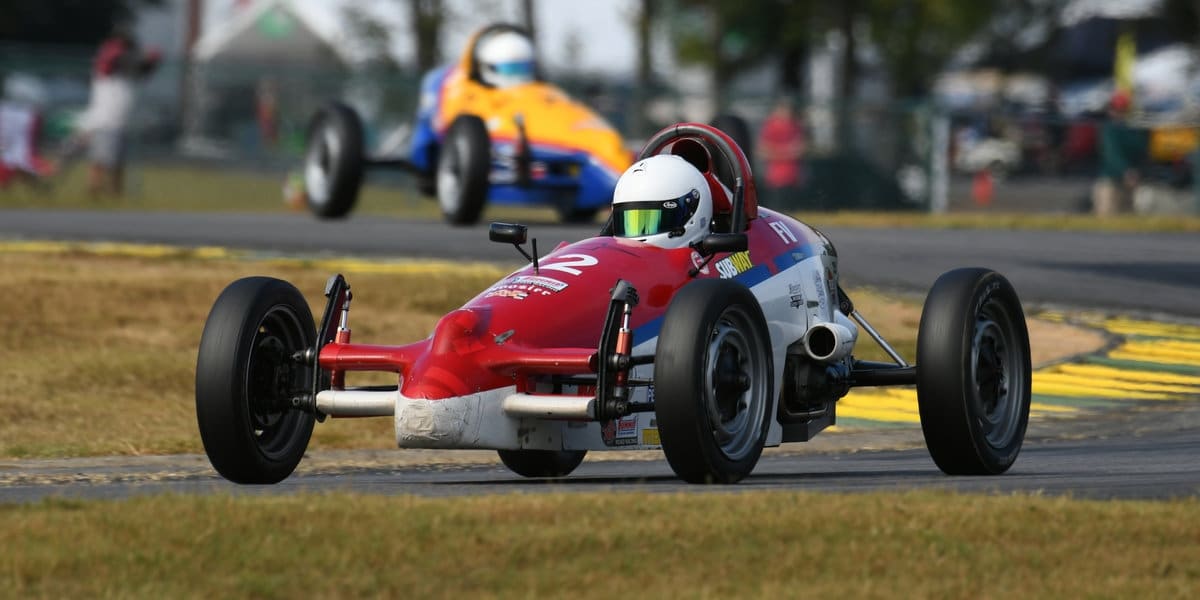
929, 105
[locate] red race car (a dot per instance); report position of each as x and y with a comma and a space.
696, 322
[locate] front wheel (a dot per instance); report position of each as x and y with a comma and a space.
973, 373
712, 382
463, 167
333, 161
247, 373
542, 463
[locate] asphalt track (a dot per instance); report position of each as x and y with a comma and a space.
1155, 274
1124, 452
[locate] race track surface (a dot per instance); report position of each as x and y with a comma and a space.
1146, 273
1137, 437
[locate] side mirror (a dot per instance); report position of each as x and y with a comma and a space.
724, 242
508, 233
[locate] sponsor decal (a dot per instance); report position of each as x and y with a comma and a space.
620, 432
796, 292
507, 293
549, 283
519, 288
738, 262
781, 229
698, 262
819, 285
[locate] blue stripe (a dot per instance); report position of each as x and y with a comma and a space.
749, 278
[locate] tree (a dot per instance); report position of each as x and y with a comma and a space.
916, 38
427, 16
727, 38
65, 21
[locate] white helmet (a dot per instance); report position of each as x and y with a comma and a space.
662, 200
505, 59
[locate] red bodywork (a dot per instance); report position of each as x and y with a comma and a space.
547, 320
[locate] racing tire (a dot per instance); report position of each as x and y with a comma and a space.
464, 163
542, 463
712, 382
246, 378
736, 128
973, 373
333, 161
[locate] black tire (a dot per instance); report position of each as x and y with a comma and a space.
736, 128
712, 382
973, 373
463, 166
542, 463
245, 379
333, 161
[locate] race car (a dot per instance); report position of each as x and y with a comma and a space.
488, 129
695, 322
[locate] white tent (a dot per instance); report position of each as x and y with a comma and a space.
271, 31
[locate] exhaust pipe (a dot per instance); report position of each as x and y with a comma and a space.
830, 342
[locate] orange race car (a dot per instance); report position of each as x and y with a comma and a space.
488, 129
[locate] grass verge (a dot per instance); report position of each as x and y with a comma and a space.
769, 544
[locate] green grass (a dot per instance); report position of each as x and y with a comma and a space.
754, 545
154, 187
212, 189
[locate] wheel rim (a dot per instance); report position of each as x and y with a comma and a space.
997, 370
272, 377
450, 174
735, 385
318, 164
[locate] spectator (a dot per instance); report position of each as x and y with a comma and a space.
1122, 150
781, 148
102, 128
266, 108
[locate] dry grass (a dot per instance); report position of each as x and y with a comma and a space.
880, 545
99, 351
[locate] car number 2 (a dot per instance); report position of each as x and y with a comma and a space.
568, 266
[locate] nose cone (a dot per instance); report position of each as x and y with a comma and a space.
448, 369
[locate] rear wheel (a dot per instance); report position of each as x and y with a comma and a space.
542, 463
712, 382
333, 161
973, 373
246, 377
464, 164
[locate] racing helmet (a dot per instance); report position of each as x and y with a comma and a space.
662, 200
505, 59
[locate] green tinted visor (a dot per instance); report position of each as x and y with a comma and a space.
641, 219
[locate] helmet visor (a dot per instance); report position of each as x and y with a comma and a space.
522, 69
641, 219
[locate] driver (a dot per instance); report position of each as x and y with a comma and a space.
663, 201
505, 59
